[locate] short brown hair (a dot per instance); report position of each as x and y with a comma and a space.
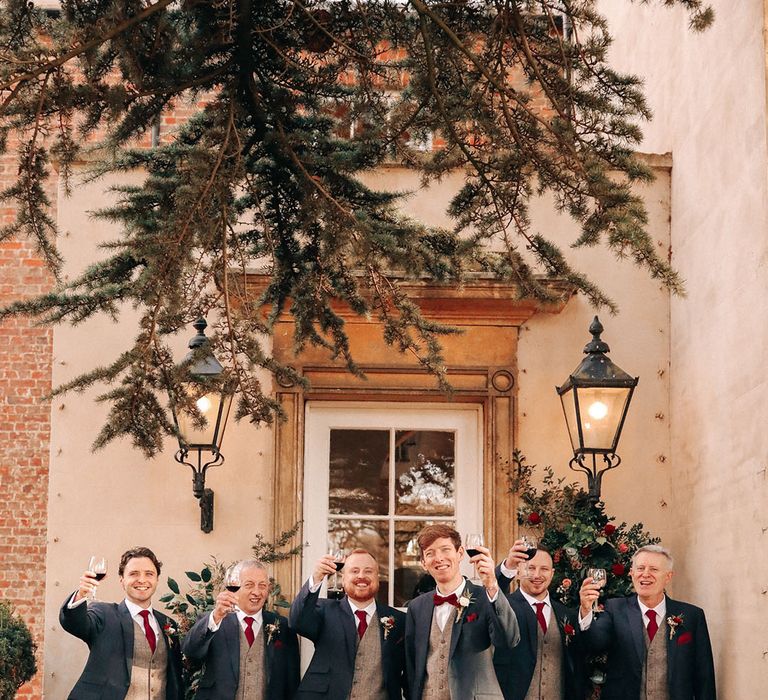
139, 553
430, 533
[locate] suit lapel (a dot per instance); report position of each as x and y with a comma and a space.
423, 625
230, 627
126, 624
382, 611
634, 620
673, 609
561, 615
349, 627
529, 620
458, 624
268, 618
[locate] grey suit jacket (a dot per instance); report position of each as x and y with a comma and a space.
107, 629
619, 632
330, 625
483, 625
220, 651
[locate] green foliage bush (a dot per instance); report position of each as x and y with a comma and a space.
17, 652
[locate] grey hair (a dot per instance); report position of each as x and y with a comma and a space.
655, 549
252, 564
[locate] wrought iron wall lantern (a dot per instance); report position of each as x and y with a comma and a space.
595, 400
200, 434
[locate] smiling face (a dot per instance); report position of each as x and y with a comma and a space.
441, 559
540, 572
360, 578
651, 573
254, 589
139, 581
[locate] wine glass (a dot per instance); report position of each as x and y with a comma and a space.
599, 577
232, 578
98, 567
335, 589
471, 543
531, 546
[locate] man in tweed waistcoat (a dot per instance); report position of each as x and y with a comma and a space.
548, 663
249, 652
450, 633
658, 648
133, 654
359, 650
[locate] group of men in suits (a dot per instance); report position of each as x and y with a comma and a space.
462, 641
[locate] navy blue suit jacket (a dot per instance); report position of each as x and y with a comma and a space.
619, 631
107, 629
332, 627
220, 651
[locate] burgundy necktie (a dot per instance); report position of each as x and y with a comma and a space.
452, 599
540, 616
653, 626
148, 630
249, 630
363, 625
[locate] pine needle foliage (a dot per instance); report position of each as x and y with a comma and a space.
294, 100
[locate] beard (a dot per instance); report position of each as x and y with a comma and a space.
354, 593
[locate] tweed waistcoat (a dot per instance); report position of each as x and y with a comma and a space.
547, 681
654, 680
368, 679
252, 683
148, 673
436, 685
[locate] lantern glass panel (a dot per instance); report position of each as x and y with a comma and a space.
214, 408
568, 400
601, 410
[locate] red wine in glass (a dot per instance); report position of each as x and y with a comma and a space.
531, 546
99, 575
472, 552
339, 565
233, 589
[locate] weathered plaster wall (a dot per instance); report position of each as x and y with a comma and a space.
708, 93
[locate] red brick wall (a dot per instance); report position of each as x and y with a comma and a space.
25, 379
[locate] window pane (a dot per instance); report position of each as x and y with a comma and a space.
424, 472
410, 579
370, 535
359, 472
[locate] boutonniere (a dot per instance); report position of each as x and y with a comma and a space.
388, 623
568, 630
272, 629
673, 621
171, 632
463, 604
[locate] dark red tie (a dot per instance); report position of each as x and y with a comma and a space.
540, 616
363, 625
249, 630
148, 630
452, 599
653, 626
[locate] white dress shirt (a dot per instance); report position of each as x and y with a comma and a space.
258, 618
444, 610
546, 610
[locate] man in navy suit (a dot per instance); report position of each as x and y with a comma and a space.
548, 663
658, 648
449, 633
249, 652
359, 650
132, 649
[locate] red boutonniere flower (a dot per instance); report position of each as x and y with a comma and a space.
569, 631
387, 623
673, 621
471, 617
